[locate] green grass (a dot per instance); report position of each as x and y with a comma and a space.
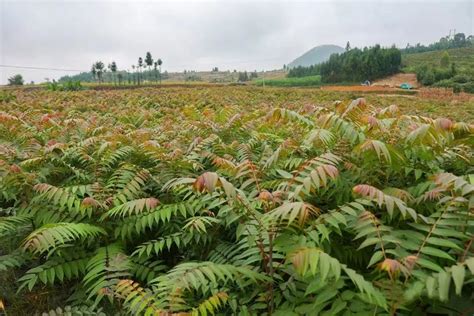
291, 82
463, 57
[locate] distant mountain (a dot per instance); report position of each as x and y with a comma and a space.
316, 55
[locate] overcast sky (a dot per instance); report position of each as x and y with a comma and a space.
199, 35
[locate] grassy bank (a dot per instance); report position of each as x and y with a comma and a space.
291, 82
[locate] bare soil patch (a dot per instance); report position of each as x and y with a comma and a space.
396, 80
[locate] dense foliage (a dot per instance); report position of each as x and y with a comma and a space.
304, 71
16, 80
445, 77
462, 57
67, 86
170, 204
355, 65
452, 68
458, 40
119, 76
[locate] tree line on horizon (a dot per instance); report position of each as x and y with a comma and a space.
138, 74
457, 40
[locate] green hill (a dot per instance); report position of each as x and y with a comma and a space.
456, 73
316, 55
462, 57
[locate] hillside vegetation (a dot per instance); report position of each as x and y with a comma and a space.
316, 55
453, 68
232, 201
463, 57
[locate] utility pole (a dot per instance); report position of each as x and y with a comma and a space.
263, 78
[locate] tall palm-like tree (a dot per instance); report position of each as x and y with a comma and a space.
99, 69
140, 65
160, 62
133, 74
109, 67
93, 72
149, 62
155, 70
113, 69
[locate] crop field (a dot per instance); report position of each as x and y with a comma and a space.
236, 200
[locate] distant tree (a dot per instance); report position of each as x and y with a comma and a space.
120, 78
445, 42
140, 65
459, 39
453, 69
149, 62
155, 70
16, 80
134, 74
99, 69
113, 69
429, 78
109, 67
243, 76
93, 72
348, 46
160, 62
444, 62
215, 69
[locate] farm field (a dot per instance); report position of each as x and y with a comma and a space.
236, 200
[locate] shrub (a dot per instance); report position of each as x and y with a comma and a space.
67, 86
16, 80
444, 61
442, 74
456, 88
428, 78
462, 78
468, 87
